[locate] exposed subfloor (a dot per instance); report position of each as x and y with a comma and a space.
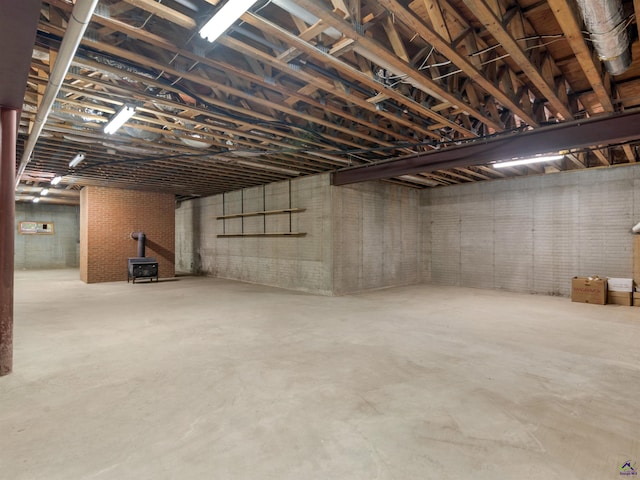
201, 378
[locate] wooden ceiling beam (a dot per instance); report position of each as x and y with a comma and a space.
566, 18
629, 153
149, 63
165, 44
448, 50
394, 39
378, 54
600, 155
493, 24
164, 12
128, 92
351, 72
318, 82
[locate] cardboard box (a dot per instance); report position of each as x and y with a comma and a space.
620, 298
636, 299
620, 284
589, 290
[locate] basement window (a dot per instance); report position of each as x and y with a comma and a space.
35, 228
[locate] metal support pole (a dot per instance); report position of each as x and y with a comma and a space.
8, 139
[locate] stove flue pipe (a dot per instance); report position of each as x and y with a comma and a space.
141, 237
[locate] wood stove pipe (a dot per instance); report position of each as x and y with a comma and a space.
141, 242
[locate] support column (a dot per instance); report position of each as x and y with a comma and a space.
8, 139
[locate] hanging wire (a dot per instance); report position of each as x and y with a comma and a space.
616, 30
423, 66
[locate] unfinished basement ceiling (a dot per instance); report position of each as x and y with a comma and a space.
298, 87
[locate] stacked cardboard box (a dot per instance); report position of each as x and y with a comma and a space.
620, 291
589, 290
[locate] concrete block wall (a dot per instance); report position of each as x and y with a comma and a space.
358, 237
60, 250
531, 234
109, 216
297, 263
377, 230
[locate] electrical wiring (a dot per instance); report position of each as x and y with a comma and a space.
499, 58
423, 66
624, 23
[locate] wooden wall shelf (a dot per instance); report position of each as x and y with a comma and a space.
269, 234
265, 212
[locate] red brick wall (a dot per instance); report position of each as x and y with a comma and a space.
108, 216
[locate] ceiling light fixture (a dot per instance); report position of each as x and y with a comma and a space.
420, 180
56, 180
123, 115
36, 200
224, 18
76, 160
528, 161
44, 192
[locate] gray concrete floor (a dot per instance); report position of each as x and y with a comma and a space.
203, 378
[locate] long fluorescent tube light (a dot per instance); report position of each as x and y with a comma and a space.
124, 114
420, 180
56, 180
224, 18
528, 161
76, 160
44, 192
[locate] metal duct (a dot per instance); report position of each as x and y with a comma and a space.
142, 238
608, 29
80, 17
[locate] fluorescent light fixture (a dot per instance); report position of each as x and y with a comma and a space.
44, 192
124, 114
224, 18
76, 160
420, 180
36, 199
528, 161
56, 180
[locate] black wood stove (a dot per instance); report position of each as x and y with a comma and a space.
142, 267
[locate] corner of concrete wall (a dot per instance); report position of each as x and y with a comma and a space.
188, 225
297, 263
424, 250
376, 236
358, 237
